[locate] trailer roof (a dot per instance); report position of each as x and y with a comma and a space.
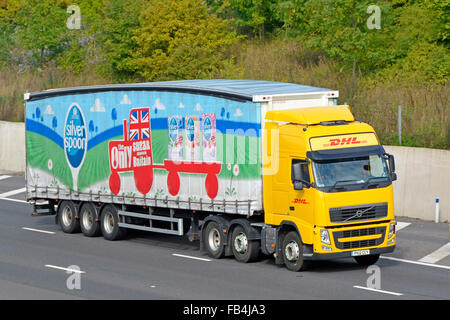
252, 90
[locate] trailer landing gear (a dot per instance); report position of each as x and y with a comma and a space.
194, 236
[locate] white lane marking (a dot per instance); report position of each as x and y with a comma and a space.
12, 192
65, 269
416, 262
401, 225
4, 177
380, 291
14, 200
37, 230
437, 255
189, 257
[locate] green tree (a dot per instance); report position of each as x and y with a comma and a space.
339, 28
255, 18
36, 33
82, 48
38, 29
180, 40
6, 31
422, 39
121, 20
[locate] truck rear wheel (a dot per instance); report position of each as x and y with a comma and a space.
213, 240
244, 250
88, 220
67, 217
292, 251
109, 224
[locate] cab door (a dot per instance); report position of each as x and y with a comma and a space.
301, 196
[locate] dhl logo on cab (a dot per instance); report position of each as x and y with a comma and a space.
343, 141
300, 201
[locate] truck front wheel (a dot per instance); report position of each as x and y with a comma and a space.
292, 252
213, 240
244, 250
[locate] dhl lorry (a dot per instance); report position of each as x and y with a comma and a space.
246, 167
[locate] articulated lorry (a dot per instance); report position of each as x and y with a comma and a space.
246, 167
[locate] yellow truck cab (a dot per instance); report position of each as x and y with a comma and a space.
327, 186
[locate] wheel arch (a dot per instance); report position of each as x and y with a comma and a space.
285, 227
252, 232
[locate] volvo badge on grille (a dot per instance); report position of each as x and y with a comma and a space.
359, 213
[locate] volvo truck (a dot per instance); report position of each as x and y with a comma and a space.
246, 167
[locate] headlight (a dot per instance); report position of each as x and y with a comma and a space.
325, 237
391, 230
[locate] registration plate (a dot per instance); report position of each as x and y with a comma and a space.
360, 253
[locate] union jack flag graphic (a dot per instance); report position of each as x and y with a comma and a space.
140, 124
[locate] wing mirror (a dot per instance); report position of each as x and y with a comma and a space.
391, 162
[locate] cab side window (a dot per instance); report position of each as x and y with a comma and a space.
304, 169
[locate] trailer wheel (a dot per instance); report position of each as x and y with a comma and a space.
88, 220
213, 240
292, 252
67, 217
109, 224
244, 250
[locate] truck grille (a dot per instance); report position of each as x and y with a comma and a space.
358, 213
359, 233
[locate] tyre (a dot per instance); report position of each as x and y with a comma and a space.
67, 217
244, 250
367, 260
292, 252
213, 240
109, 224
89, 223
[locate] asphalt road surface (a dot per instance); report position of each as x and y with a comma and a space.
39, 261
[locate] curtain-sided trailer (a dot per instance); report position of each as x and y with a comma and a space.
190, 145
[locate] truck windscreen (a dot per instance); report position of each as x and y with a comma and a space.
351, 174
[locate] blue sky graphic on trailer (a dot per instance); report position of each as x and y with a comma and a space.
47, 116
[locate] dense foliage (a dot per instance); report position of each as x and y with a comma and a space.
386, 45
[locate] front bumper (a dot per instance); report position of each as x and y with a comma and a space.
346, 254
342, 241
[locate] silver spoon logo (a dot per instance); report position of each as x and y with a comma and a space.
75, 140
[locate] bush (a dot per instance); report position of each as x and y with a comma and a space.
180, 40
